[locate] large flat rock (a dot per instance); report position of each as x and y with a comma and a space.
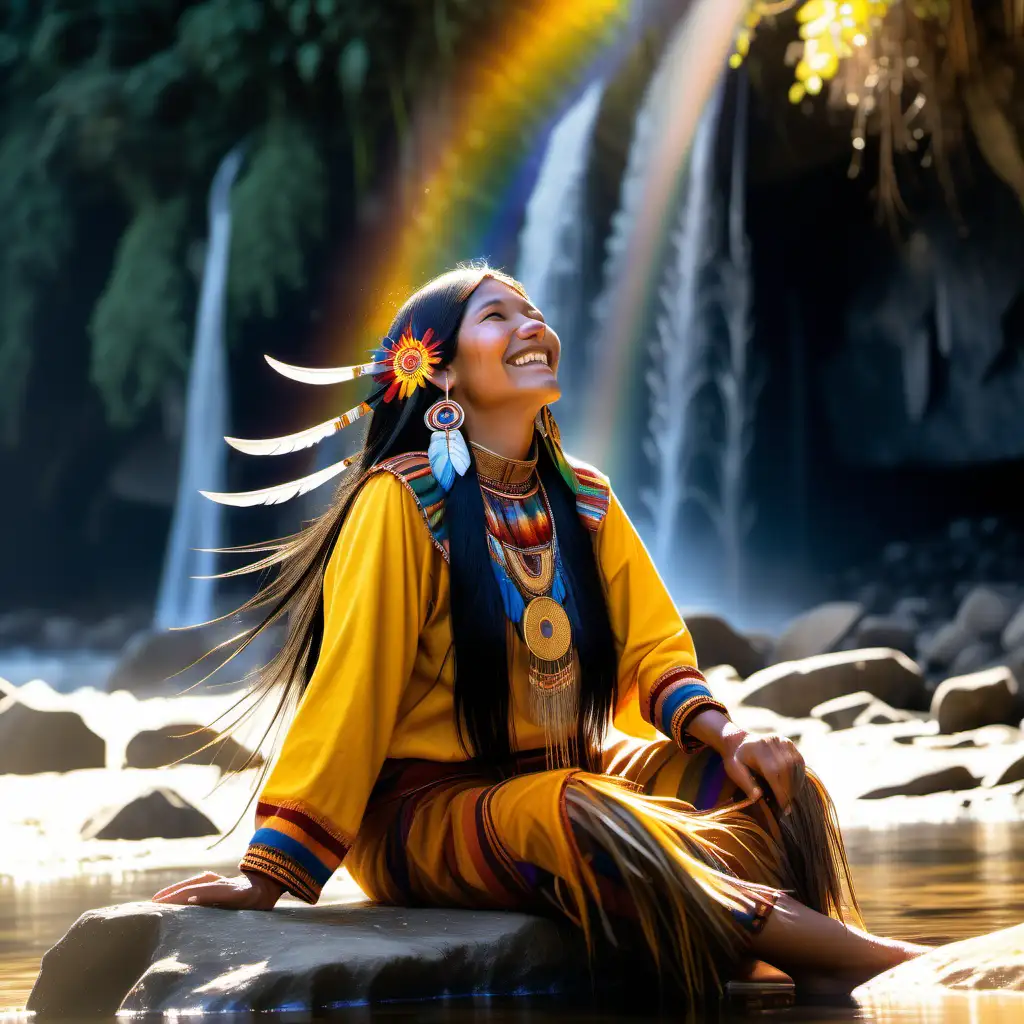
154, 958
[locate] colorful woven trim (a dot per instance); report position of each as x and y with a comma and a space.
294, 848
675, 699
593, 494
592, 490
413, 469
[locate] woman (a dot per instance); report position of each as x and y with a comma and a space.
487, 665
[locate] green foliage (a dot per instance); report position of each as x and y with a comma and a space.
279, 206
141, 99
36, 237
140, 326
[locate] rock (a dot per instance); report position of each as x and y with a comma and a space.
879, 713
793, 688
764, 644
151, 660
887, 631
717, 643
34, 741
156, 748
841, 712
993, 962
818, 631
986, 736
983, 698
985, 612
953, 777
159, 814
939, 650
111, 633
917, 610
1011, 771
874, 597
60, 632
1013, 636
21, 628
154, 958
974, 657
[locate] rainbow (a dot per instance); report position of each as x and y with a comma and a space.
451, 203
455, 202
698, 52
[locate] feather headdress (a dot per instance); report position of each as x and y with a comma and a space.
400, 367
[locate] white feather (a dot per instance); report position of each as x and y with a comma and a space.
448, 455
458, 452
324, 375
289, 443
280, 493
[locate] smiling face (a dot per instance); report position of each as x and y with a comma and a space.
506, 355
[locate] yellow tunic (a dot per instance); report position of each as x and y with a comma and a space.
382, 687
372, 764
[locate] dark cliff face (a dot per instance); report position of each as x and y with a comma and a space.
895, 352
930, 366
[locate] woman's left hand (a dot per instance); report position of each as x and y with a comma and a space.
774, 758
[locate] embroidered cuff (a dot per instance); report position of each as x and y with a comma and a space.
295, 849
676, 699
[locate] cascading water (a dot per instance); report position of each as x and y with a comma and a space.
554, 236
182, 599
679, 343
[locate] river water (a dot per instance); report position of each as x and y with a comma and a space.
930, 883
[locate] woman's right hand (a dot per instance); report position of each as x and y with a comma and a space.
249, 891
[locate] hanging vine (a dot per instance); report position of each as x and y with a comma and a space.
911, 72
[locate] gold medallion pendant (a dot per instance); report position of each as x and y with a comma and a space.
554, 697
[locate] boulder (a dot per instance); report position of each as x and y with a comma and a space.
159, 814
34, 741
953, 777
986, 736
111, 633
842, 712
818, 631
880, 713
971, 701
939, 649
916, 610
717, 643
167, 662
794, 688
1010, 771
21, 628
986, 611
886, 631
61, 633
987, 963
157, 748
974, 657
1012, 638
151, 958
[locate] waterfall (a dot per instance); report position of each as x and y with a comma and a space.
554, 237
197, 523
679, 368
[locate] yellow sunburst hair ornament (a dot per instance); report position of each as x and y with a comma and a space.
408, 363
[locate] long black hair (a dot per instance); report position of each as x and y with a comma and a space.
479, 647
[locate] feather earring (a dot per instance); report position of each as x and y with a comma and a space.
447, 452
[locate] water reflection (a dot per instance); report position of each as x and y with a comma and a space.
933, 884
